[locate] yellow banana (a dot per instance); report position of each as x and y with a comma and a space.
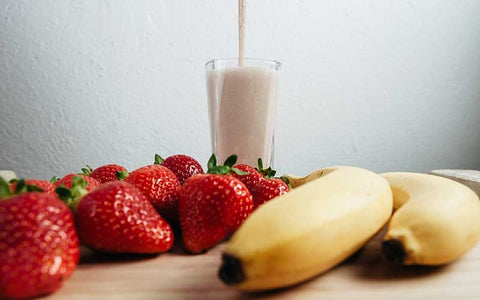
436, 220
308, 230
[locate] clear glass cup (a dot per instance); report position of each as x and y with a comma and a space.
242, 105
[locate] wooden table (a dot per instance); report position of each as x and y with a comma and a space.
176, 275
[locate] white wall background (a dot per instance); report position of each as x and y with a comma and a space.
387, 85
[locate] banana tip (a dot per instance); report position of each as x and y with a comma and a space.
394, 251
231, 271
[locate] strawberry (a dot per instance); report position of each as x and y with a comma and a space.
92, 183
116, 217
212, 206
160, 186
183, 166
45, 186
268, 189
38, 244
108, 173
251, 176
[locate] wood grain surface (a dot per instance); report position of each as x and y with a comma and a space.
366, 275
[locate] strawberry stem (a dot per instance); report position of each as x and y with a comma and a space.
121, 175
54, 179
260, 163
22, 187
286, 180
268, 173
226, 168
86, 171
72, 196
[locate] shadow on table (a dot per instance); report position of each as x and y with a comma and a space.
367, 264
89, 256
92, 257
372, 265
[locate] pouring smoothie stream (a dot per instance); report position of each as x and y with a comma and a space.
242, 99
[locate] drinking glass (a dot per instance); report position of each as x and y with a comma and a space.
242, 105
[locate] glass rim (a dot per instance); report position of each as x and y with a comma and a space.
276, 63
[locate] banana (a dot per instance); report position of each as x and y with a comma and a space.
308, 230
436, 221
470, 178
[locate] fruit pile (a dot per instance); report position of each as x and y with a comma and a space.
42, 223
281, 231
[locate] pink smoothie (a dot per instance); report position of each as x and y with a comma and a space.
242, 104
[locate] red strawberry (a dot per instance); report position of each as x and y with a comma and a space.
253, 175
160, 186
268, 189
107, 173
212, 206
116, 217
251, 178
92, 183
183, 166
45, 186
38, 245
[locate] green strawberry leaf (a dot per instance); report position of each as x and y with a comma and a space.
231, 160
227, 167
72, 196
212, 161
21, 186
54, 179
34, 188
87, 171
158, 159
286, 180
239, 172
5, 191
219, 170
78, 181
121, 175
63, 193
268, 173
